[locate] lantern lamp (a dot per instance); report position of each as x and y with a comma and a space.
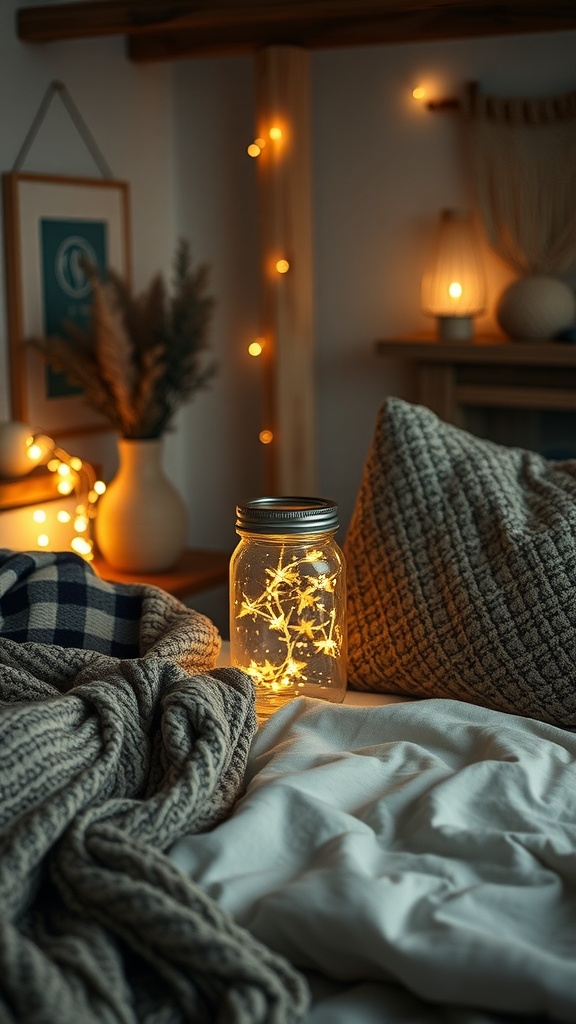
454, 284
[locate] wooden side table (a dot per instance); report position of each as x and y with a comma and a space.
487, 371
197, 570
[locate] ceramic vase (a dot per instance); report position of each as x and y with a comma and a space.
142, 522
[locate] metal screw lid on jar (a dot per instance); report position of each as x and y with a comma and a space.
287, 515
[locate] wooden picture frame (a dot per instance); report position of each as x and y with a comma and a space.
49, 221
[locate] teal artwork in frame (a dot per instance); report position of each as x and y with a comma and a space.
65, 246
50, 224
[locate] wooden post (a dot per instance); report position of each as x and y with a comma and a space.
285, 208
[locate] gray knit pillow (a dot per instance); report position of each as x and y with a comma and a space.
461, 559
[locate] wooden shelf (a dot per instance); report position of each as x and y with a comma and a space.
168, 29
197, 570
487, 372
488, 349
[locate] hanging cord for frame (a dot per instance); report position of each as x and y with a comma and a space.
78, 121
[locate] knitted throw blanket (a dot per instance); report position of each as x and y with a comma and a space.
117, 735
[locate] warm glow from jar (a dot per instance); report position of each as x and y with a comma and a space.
282, 266
297, 608
266, 436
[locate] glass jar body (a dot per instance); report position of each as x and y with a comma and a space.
288, 616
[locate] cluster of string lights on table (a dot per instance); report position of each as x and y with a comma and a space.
75, 478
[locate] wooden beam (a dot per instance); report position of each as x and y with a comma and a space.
165, 29
285, 214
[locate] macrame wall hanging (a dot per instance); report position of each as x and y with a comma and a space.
522, 161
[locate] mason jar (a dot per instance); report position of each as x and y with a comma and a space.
288, 601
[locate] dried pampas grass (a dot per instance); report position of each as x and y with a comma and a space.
141, 356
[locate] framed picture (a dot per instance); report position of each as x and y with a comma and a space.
50, 225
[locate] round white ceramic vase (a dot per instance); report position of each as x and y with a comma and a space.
141, 522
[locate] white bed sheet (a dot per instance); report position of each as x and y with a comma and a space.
416, 861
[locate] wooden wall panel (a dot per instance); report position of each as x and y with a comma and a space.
284, 178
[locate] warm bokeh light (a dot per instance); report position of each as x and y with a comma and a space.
282, 266
419, 93
275, 133
266, 436
253, 149
255, 347
39, 515
82, 547
99, 487
63, 516
43, 540
34, 451
455, 290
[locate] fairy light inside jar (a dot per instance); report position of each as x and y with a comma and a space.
287, 616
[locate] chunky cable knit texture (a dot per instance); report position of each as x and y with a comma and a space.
461, 562
104, 763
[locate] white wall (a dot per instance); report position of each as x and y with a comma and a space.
383, 169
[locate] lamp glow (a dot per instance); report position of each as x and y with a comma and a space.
255, 347
275, 133
282, 266
454, 284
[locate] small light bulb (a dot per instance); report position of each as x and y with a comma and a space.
81, 546
419, 93
282, 266
43, 540
99, 487
34, 451
266, 436
65, 487
80, 524
39, 515
53, 465
255, 347
75, 463
63, 516
253, 149
63, 469
455, 290
275, 133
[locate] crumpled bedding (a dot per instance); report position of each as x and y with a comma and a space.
416, 861
118, 736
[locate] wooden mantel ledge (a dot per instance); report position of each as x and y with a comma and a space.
166, 29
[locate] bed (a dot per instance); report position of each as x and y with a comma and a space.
406, 856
